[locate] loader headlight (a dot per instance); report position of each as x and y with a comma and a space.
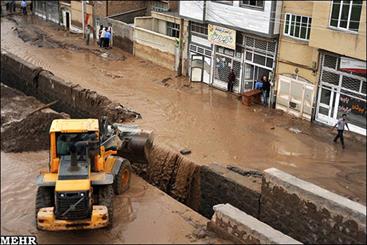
62, 195
81, 194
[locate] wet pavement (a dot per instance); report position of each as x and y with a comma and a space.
143, 214
214, 125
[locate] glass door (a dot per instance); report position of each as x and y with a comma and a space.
326, 104
248, 81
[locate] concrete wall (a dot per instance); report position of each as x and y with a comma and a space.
129, 16
309, 213
155, 47
76, 15
233, 224
122, 33
337, 41
145, 23
72, 99
302, 55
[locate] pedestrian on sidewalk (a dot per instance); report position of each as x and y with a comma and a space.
107, 38
231, 80
87, 33
342, 122
265, 89
23, 5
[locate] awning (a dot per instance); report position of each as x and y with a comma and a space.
352, 65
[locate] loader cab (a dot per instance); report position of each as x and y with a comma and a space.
74, 141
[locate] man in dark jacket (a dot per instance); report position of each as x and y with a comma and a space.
231, 80
265, 89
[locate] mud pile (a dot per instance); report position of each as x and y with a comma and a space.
29, 134
22, 130
170, 172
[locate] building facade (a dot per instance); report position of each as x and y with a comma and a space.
231, 34
321, 66
48, 10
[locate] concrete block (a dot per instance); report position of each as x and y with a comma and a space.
308, 212
245, 229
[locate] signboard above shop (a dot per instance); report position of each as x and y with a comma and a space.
222, 36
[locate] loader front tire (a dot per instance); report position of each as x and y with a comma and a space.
44, 199
122, 179
105, 198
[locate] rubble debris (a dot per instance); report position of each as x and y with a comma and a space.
185, 151
254, 173
295, 130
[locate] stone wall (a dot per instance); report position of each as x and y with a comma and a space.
221, 185
233, 224
46, 87
309, 213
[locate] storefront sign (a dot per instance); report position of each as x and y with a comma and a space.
352, 65
222, 36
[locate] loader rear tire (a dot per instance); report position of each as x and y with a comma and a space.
44, 199
105, 198
122, 179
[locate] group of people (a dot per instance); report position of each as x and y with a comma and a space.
11, 6
264, 85
104, 36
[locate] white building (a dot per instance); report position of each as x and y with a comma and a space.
231, 34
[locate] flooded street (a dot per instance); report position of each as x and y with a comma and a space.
213, 124
141, 215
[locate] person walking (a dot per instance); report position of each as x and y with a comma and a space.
87, 33
23, 5
231, 80
340, 125
265, 89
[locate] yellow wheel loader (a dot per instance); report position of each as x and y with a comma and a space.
85, 172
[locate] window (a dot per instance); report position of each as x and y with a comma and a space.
252, 3
229, 2
173, 29
297, 26
346, 14
198, 28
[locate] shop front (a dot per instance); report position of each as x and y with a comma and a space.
215, 50
340, 92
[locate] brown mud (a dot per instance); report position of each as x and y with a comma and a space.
214, 125
20, 130
141, 215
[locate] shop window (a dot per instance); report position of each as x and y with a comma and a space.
199, 29
258, 4
363, 89
173, 29
330, 77
346, 14
330, 61
228, 2
297, 26
351, 83
355, 109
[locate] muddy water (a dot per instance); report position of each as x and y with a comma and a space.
142, 215
213, 124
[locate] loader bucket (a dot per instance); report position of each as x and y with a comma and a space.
136, 143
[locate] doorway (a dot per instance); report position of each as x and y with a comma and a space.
66, 19
196, 68
252, 73
326, 110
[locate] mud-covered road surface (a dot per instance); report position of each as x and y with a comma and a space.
143, 214
214, 125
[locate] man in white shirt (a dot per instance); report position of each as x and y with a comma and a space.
342, 122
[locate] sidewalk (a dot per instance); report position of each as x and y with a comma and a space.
213, 124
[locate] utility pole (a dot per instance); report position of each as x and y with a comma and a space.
83, 17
